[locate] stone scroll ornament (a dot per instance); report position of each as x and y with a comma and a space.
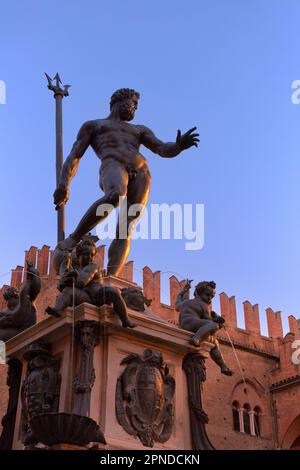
87, 333
40, 389
144, 397
195, 370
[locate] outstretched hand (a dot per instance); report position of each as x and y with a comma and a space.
61, 196
187, 140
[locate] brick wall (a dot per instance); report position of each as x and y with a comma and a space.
265, 361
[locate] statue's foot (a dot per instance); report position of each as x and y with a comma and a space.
129, 324
225, 370
194, 342
68, 244
53, 312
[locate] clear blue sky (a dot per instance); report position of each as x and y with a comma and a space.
225, 66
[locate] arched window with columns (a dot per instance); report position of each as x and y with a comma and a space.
248, 403
256, 420
236, 416
246, 418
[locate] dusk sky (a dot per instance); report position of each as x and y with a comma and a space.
223, 66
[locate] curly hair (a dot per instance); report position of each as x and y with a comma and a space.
87, 245
201, 286
123, 94
11, 293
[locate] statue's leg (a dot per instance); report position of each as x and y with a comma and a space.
137, 193
113, 181
207, 328
217, 357
63, 301
110, 295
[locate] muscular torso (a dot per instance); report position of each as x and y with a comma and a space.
91, 277
117, 140
194, 307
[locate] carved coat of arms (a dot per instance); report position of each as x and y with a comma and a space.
40, 389
144, 397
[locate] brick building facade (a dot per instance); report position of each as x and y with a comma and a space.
259, 406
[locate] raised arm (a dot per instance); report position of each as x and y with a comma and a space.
32, 287
183, 294
61, 194
168, 149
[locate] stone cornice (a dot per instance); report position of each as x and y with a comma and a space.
248, 348
290, 381
148, 329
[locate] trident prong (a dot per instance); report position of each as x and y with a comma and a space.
57, 78
56, 88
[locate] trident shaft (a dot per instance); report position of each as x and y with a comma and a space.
54, 84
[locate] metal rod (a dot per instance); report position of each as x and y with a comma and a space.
59, 93
61, 219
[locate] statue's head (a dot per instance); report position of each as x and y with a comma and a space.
86, 250
11, 296
135, 299
125, 102
206, 291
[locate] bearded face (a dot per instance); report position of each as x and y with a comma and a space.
127, 109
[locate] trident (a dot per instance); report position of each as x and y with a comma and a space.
59, 93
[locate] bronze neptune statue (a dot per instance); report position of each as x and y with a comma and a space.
123, 172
